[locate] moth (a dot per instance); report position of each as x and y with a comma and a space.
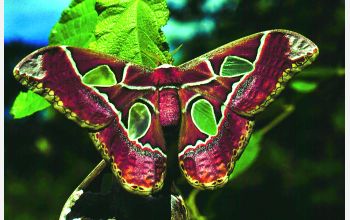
212, 99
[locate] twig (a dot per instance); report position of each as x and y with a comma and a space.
191, 204
80, 189
287, 111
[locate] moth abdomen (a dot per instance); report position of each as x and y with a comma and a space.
169, 107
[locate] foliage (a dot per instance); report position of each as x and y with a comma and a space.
76, 26
303, 86
131, 30
28, 103
249, 155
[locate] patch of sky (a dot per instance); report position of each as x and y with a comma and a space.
213, 6
176, 4
178, 31
7, 114
30, 21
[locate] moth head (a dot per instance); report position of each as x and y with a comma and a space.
165, 75
165, 66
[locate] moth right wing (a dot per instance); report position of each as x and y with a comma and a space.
246, 76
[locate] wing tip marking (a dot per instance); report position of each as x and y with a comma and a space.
31, 66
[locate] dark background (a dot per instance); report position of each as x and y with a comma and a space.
299, 173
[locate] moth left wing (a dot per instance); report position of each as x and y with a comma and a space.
217, 113
92, 90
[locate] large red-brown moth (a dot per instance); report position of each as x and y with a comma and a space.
125, 107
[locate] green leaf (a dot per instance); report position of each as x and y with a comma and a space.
131, 30
76, 26
235, 66
203, 116
27, 103
100, 76
303, 86
139, 121
249, 155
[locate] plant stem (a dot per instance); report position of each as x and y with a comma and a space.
79, 190
287, 111
191, 204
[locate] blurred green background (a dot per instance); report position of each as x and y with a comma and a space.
299, 171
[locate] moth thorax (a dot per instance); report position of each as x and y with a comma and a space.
169, 109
